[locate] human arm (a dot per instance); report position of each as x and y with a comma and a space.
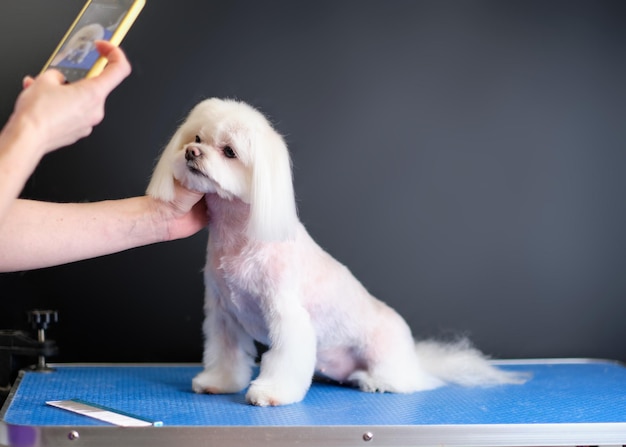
38, 234
49, 114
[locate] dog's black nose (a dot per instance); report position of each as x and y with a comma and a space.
191, 153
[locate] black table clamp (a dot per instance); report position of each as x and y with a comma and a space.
18, 348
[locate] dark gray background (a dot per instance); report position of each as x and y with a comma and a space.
465, 159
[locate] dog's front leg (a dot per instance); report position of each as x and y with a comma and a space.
228, 352
288, 366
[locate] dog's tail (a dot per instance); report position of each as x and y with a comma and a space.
460, 363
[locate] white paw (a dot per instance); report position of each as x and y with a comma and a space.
365, 382
214, 381
380, 384
265, 393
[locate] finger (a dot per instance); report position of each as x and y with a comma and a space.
104, 47
51, 75
27, 81
117, 67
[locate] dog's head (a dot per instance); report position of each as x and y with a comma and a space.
85, 37
228, 148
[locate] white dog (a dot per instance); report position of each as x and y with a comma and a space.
267, 280
80, 44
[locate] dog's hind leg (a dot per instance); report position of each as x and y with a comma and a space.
389, 361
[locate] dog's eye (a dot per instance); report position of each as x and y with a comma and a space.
198, 140
229, 152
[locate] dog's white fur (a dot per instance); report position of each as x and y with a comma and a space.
267, 280
80, 44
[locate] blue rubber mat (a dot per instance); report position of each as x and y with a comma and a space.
577, 392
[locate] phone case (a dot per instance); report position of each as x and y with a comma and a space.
115, 39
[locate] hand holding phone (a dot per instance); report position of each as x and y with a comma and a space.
76, 55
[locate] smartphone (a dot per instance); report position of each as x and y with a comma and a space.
76, 55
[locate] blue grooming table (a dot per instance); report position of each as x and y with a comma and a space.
565, 403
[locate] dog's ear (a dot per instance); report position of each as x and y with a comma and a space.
273, 214
162, 182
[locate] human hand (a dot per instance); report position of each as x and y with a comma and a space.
60, 114
185, 215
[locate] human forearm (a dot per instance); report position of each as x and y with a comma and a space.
19, 155
40, 234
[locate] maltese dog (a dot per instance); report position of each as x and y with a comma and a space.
266, 280
80, 44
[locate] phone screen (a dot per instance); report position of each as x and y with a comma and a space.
99, 21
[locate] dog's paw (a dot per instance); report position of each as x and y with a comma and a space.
212, 381
264, 393
392, 384
365, 382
